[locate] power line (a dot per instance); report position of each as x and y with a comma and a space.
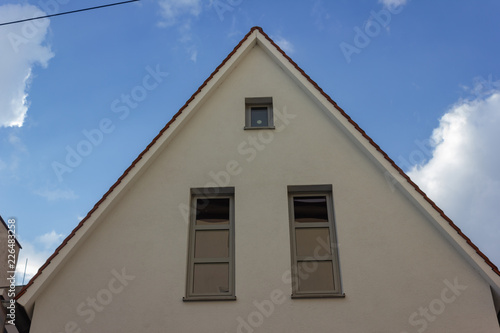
70, 12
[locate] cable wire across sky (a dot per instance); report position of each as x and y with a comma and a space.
70, 12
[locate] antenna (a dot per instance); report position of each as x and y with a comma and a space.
25, 265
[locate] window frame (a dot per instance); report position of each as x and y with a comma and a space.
210, 193
314, 191
254, 102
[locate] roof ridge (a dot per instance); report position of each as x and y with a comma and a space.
349, 119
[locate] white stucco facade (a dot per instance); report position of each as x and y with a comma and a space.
126, 270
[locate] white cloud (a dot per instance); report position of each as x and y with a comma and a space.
37, 253
17, 142
35, 260
14, 139
233, 30
186, 39
171, 10
463, 174
22, 47
11, 165
194, 55
482, 87
320, 14
56, 194
284, 44
393, 3
50, 240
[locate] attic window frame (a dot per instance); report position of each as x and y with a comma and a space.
255, 102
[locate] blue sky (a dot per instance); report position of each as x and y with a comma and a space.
422, 78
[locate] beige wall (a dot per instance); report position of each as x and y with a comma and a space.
393, 262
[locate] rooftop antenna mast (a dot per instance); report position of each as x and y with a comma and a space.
25, 265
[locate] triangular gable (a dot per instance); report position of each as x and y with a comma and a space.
393, 173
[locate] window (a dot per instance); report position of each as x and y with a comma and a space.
211, 245
315, 263
259, 113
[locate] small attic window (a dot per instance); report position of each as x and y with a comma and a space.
259, 113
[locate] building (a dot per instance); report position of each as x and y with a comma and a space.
263, 207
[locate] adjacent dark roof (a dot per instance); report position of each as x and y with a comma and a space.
7, 227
